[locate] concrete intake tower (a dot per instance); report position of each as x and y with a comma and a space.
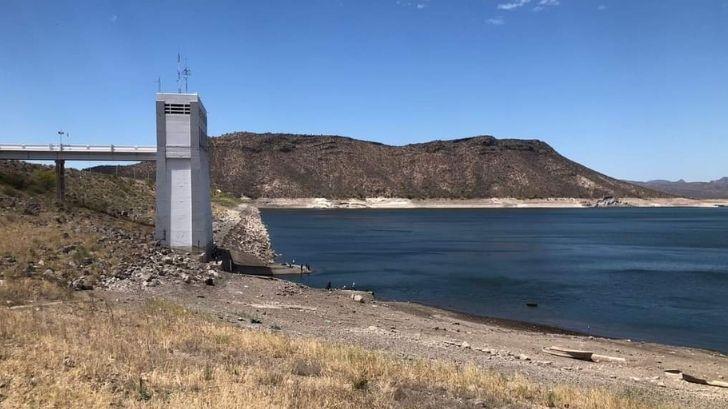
184, 216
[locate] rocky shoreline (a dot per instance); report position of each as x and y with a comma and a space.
241, 229
487, 203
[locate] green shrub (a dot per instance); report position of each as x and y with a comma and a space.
16, 180
225, 199
39, 181
42, 180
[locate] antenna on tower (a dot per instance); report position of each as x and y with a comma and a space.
183, 74
159, 84
186, 72
179, 74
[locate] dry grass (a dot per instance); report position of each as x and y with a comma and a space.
26, 242
21, 290
161, 355
62, 243
225, 199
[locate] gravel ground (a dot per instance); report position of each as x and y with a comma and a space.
412, 330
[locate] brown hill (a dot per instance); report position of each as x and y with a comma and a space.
285, 165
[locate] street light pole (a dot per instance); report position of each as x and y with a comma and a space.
60, 140
60, 172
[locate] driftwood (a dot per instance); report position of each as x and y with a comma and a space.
582, 355
24, 306
693, 379
282, 306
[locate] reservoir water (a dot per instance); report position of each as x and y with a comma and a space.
646, 274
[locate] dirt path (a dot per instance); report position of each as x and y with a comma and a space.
412, 330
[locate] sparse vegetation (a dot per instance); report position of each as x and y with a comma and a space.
225, 199
159, 354
45, 247
116, 196
43, 253
40, 180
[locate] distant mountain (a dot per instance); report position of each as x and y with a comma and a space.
716, 189
335, 167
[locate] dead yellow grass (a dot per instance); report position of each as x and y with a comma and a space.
26, 244
34, 245
161, 355
30, 240
64, 243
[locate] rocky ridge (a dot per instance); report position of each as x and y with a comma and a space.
715, 189
335, 167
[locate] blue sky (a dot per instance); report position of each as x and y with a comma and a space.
635, 89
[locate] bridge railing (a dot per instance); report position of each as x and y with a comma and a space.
77, 148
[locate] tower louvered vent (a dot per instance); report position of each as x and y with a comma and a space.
181, 109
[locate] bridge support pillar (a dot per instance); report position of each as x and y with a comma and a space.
184, 215
60, 180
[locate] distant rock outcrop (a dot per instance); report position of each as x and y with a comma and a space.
716, 189
334, 167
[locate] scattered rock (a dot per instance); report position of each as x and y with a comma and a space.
151, 283
609, 201
81, 284
33, 208
360, 296
68, 362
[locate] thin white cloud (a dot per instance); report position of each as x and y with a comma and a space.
113, 18
601, 7
496, 21
513, 5
419, 5
542, 4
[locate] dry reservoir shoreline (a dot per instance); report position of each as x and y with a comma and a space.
404, 203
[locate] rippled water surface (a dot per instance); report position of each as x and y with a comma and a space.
645, 274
